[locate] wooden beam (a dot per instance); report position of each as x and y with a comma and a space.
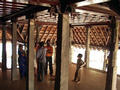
94, 36
28, 10
44, 2
54, 33
45, 23
91, 24
20, 35
87, 51
48, 33
90, 2
21, 28
44, 32
81, 34
14, 75
30, 73
76, 37
4, 56
98, 9
97, 36
103, 36
92, 46
111, 78
62, 56
17, 3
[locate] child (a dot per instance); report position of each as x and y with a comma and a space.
79, 65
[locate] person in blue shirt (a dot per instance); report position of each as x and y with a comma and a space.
22, 61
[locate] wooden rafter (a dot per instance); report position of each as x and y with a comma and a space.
91, 24
48, 33
44, 33
80, 34
97, 36
103, 36
20, 35
54, 33
21, 28
99, 9
76, 37
90, 2
92, 34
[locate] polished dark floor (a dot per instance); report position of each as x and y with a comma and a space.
90, 80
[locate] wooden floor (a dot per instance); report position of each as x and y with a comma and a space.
91, 80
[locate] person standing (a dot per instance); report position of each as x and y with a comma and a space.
49, 58
41, 61
22, 61
79, 65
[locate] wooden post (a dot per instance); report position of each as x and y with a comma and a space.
30, 73
105, 57
87, 51
62, 56
14, 75
111, 79
4, 47
71, 39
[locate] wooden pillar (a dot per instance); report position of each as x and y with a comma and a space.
30, 73
14, 75
4, 58
87, 51
71, 39
62, 56
112, 68
105, 57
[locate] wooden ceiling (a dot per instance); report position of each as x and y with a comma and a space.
99, 35
7, 7
75, 18
46, 21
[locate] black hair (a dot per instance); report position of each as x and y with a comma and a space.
48, 40
80, 55
41, 44
20, 45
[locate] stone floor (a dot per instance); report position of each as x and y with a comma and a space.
90, 80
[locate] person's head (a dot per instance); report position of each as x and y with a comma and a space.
41, 44
48, 42
20, 46
79, 56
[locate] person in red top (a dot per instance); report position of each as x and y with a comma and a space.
49, 53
